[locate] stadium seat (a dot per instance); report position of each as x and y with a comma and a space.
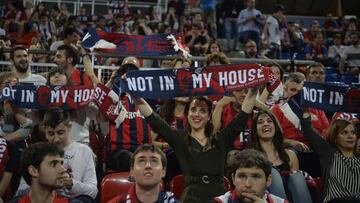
332, 77
331, 70
177, 185
114, 184
318, 183
348, 79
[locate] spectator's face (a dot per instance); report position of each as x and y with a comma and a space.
198, 115
119, 21
61, 60
251, 48
292, 88
319, 39
58, 79
214, 62
346, 139
239, 95
314, 26
251, 3
316, 74
74, 37
196, 30
354, 39
21, 61
50, 173
11, 81
102, 22
214, 48
250, 180
58, 135
265, 127
148, 169
166, 64
337, 41
44, 19
231, 156
276, 71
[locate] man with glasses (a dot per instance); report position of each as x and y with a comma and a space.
251, 175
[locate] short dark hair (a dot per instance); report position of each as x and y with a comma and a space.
34, 155
279, 7
55, 70
149, 148
126, 68
69, 31
249, 158
54, 116
15, 48
70, 52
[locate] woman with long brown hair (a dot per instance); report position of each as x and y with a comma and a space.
267, 138
201, 153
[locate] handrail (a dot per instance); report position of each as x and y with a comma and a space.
194, 58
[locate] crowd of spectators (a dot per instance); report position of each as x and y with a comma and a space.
202, 134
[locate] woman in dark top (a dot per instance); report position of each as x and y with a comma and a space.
339, 159
200, 152
268, 138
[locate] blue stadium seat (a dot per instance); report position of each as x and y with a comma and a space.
331, 70
348, 79
333, 77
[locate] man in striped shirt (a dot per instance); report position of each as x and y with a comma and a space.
251, 175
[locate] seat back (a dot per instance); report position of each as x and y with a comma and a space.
177, 185
114, 184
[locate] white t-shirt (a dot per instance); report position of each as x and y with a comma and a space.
80, 159
351, 54
33, 79
54, 46
274, 30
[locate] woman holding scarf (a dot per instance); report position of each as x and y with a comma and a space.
201, 153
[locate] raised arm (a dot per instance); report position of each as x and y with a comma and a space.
321, 147
87, 64
238, 124
249, 101
159, 126
216, 115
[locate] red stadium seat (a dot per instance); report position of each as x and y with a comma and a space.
114, 184
318, 183
177, 185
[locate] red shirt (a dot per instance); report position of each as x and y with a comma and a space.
57, 199
132, 132
227, 115
80, 78
318, 120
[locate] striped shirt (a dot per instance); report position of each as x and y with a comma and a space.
344, 178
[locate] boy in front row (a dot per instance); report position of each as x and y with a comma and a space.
251, 175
